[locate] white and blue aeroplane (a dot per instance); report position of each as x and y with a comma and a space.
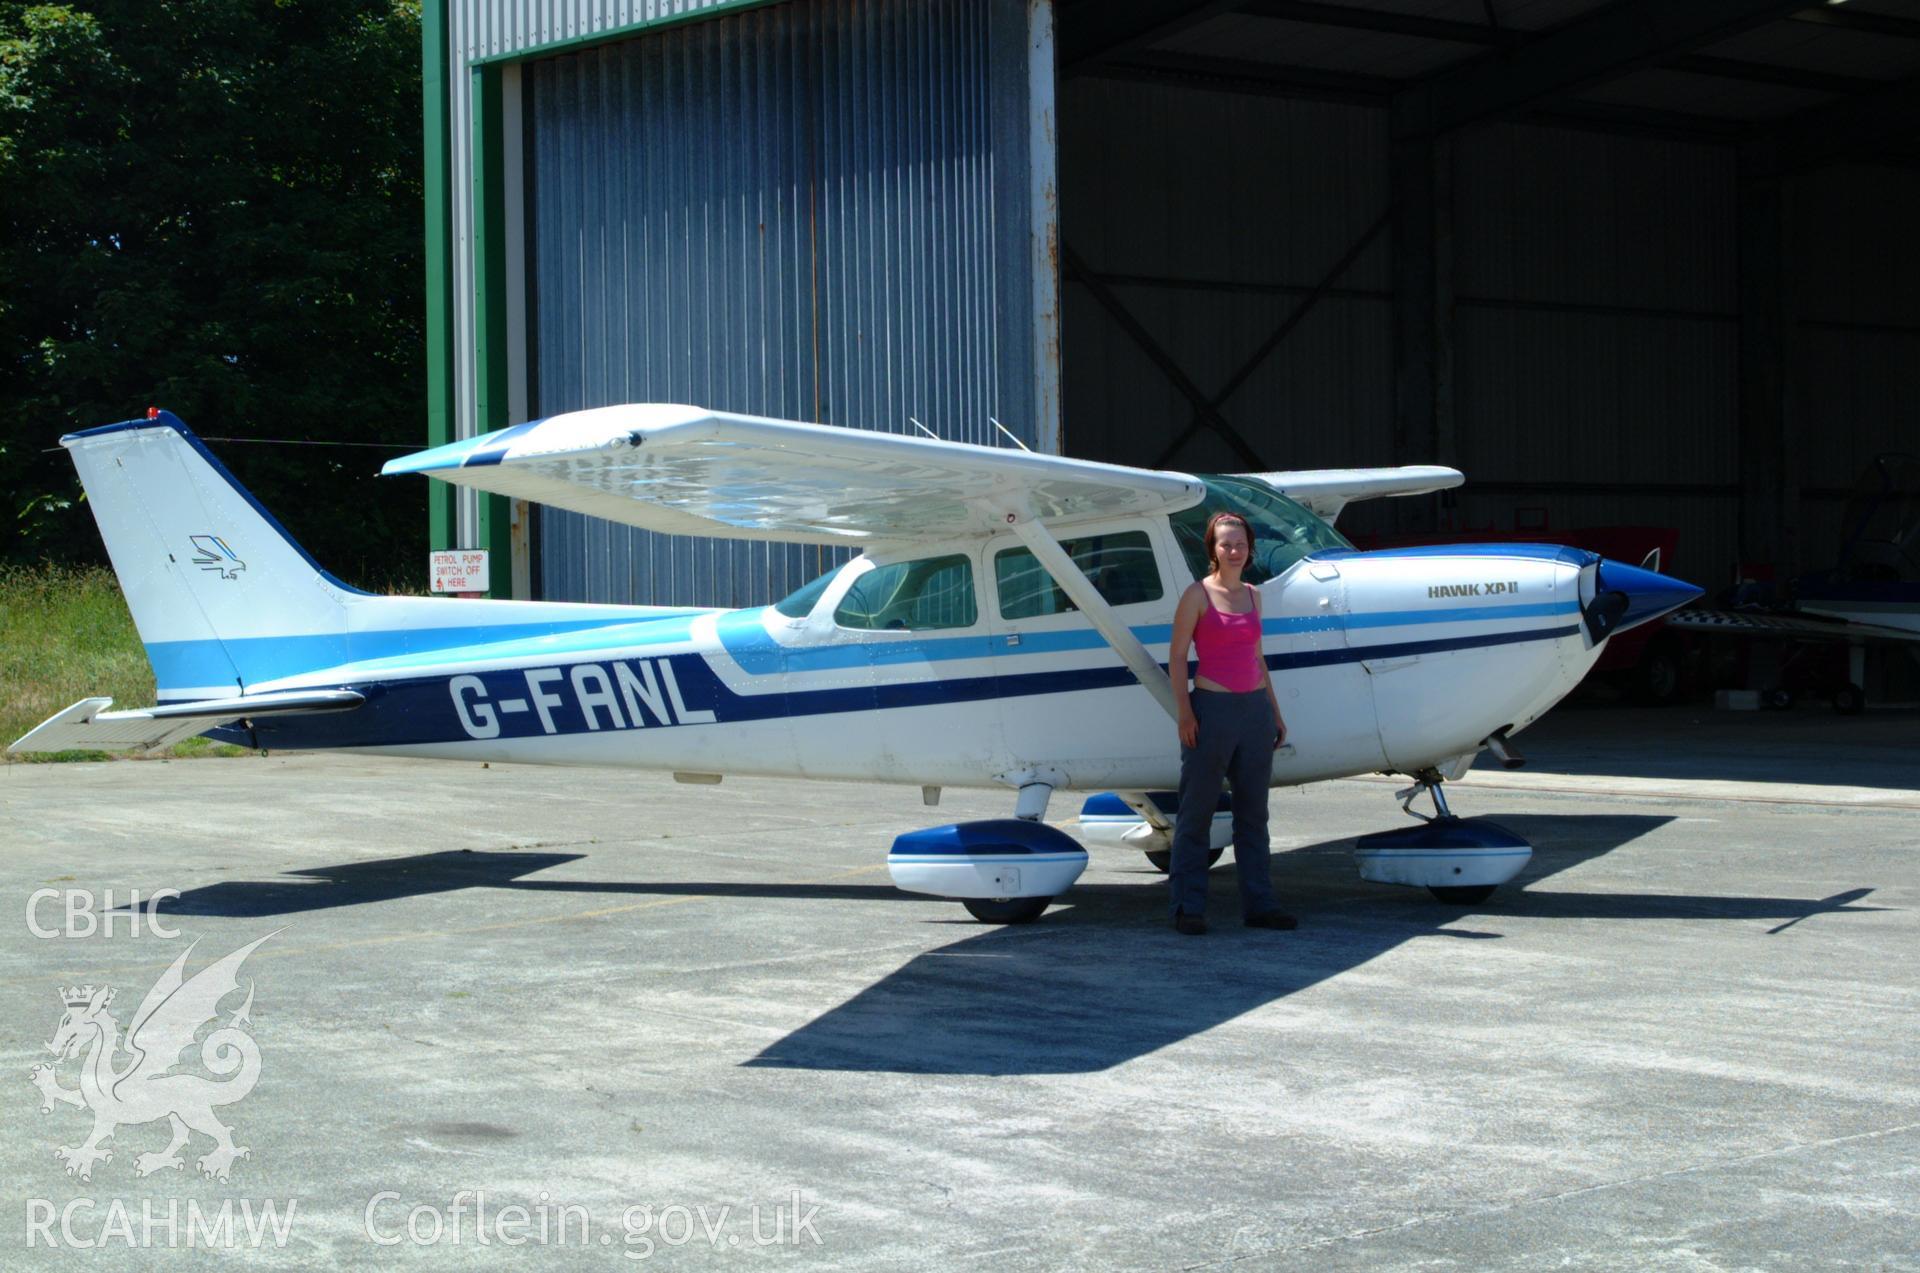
1005, 624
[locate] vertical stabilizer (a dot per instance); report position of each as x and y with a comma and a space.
204, 567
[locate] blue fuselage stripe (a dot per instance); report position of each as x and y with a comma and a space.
193, 664
423, 710
197, 664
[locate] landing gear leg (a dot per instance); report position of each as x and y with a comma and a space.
1430, 781
1031, 804
1154, 835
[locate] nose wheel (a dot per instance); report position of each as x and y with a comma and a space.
1462, 894
1006, 910
1461, 861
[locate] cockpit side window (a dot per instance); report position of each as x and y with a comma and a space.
933, 592
1284, 530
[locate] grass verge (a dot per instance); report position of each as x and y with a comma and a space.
65, 634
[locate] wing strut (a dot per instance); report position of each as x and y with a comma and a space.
1080, 590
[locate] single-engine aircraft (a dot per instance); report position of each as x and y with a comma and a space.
1004, 625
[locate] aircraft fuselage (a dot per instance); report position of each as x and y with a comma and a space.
1396, 660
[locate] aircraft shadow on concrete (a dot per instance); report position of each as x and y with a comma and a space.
391, 879
357, 883
1118, 982
1111, 982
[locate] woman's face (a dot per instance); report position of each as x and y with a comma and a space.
1230, 545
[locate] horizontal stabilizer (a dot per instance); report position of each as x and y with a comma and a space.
88, 726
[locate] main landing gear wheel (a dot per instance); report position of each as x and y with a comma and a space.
1462, 894
1006, 910
1162, 859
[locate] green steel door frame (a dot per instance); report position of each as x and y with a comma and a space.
437, 184
490, 375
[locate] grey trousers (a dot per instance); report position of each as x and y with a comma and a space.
1235, 746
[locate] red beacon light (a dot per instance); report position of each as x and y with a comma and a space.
153, 413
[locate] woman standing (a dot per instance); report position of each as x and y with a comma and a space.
1230, 726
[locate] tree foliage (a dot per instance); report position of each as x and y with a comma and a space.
214, 206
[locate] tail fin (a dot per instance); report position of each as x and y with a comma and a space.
208, 573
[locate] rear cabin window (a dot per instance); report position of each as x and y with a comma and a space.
1121, 567
934, 592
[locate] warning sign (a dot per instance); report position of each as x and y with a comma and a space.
459, 570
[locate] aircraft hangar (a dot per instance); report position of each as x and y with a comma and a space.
1621, 261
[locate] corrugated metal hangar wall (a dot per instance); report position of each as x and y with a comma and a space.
812, 211
1624, 263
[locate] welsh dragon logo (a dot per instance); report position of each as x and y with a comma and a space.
145, 1088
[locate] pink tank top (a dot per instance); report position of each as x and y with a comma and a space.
1229, 646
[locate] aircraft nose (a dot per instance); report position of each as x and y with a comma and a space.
1628, 596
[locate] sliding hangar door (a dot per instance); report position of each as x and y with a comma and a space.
1622, 262
814, 211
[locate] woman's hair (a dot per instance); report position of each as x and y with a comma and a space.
1213, 528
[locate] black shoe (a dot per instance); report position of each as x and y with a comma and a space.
1272, 919
1189, 925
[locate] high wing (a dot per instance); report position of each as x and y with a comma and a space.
1327, 491
688, 470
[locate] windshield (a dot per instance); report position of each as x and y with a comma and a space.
1284, 531
799, 604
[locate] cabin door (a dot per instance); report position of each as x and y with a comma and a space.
1066, 700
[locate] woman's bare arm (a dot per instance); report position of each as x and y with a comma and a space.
1266, 674
1185, 616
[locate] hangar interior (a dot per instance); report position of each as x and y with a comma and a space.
1622, 261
